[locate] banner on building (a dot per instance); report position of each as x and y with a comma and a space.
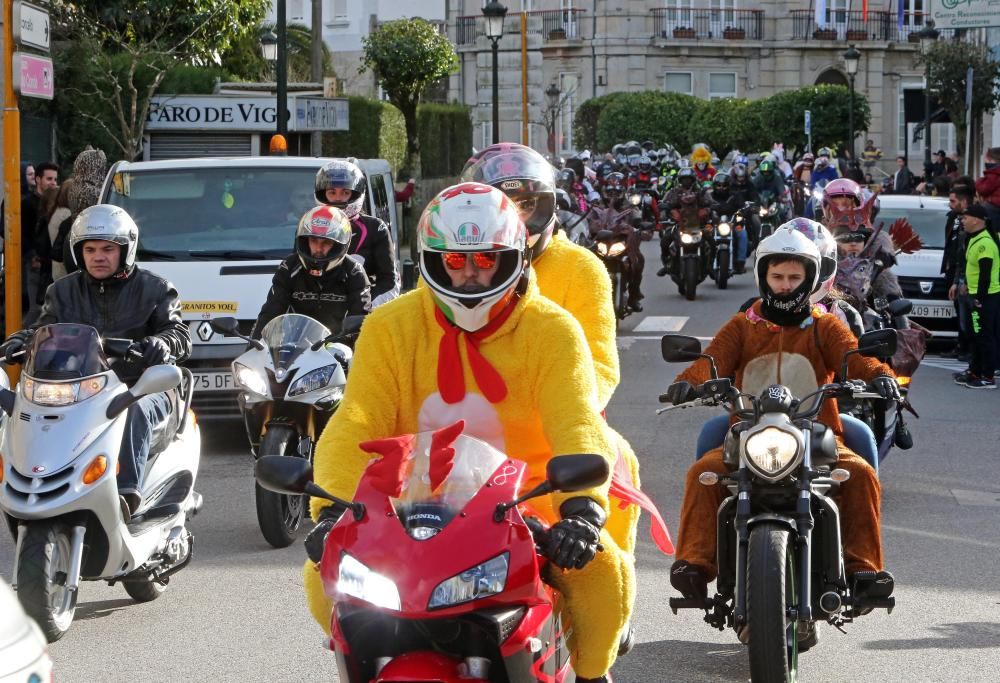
952, 14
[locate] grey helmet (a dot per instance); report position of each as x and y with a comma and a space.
342, 173
110, 224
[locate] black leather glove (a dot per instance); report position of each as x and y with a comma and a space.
316, 539
886, 387
681, 392
575, 539
12, 346
341, 358
155, 351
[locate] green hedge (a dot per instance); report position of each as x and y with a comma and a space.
445, 133
747, 125
377, 131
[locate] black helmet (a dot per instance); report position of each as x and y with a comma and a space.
342, 173
614, 185
739, 174
563, 202
604, 168
686, 177
721, 183
617, 149
648, 145
645, 164
567, 177
633, 147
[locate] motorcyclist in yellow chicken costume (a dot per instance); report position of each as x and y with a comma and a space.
572, 277
467, 346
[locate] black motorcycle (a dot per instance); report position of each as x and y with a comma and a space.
780, 560
769, 214
690, 251
610, 232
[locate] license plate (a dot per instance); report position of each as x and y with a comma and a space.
214, 381
933, 310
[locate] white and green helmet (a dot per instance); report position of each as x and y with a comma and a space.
471, 218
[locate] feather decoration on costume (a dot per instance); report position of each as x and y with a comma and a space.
905, 239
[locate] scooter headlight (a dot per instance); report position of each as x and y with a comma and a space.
488, 578
250, 379
616, 248
723, 230
317, 379
771, 453
62, 393
357, 580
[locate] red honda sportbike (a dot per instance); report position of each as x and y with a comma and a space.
435, 569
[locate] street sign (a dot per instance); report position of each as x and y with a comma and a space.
320, 113
31, 26
808, 130
952, 14
33, 76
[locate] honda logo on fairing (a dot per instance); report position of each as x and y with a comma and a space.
926, 287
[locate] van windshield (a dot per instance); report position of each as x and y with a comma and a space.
929, 223
215, 213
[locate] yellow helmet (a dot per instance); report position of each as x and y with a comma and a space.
701, 156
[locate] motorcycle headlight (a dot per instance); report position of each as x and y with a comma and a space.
817, 194
690, 237
763, 211
317, 379
602, 248
488, 578
724, 229
250, 379
62, 393
635, 199
616, 248
357, 580
771, 452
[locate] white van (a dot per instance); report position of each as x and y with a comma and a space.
217, 229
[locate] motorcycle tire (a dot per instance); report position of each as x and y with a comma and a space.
771, 586
620, 291
144, 591
44, 560
689, 276
279, 516
722, 276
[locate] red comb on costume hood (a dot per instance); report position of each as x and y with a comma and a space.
388, 472
852, 218
443, 452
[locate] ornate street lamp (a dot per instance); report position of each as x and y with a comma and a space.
269, 47
552, 94
494, 14
928, 36
851, 59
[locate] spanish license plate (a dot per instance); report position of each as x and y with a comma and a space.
214, 381
933, 310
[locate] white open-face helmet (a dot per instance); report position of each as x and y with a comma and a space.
787, 242
471, 221
110, 224
827, 247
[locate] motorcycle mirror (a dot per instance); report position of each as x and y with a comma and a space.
7, 401
569, 473
282, 474
878, 343
116, 347
900, 307
225, 325
604, 235
157, 379
679, 348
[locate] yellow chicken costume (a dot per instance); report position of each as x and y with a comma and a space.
546, 408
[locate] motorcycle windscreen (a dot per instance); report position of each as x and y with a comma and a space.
65, 351
441, 479
289, 335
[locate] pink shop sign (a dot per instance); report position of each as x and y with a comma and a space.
34, 76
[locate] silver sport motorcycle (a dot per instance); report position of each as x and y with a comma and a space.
290, 380
60, 446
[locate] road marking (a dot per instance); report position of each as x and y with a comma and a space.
949, 538
661, 323
627, 340
944, 363
980, 498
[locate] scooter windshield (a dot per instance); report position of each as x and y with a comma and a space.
424, 511
287, 336
65, 351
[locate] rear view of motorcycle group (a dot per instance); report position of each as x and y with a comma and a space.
475, 514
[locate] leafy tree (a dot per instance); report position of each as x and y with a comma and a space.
652, 115
726, 124
782, 116
407, 56
586, 117
244, 60
949, 62
130, 45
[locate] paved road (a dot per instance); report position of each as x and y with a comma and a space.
237, 614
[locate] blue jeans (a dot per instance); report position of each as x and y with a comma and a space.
142, 417
740, 245
857, 436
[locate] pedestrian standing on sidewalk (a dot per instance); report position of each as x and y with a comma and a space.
962, 195
982, 275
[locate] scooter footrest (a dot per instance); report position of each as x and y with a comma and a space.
152, 517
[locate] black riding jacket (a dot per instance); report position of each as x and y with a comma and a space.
336, 293
135, 306
371, 244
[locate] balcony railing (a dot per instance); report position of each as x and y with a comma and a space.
692, 24
852, 26
556, 24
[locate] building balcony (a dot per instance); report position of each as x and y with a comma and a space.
690, 24
854, 27
552, 25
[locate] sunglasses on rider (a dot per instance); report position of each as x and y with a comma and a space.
850, 238
483, 260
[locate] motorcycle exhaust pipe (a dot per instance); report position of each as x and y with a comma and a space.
830, 602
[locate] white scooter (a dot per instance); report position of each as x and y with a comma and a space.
291, 381
58, 489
